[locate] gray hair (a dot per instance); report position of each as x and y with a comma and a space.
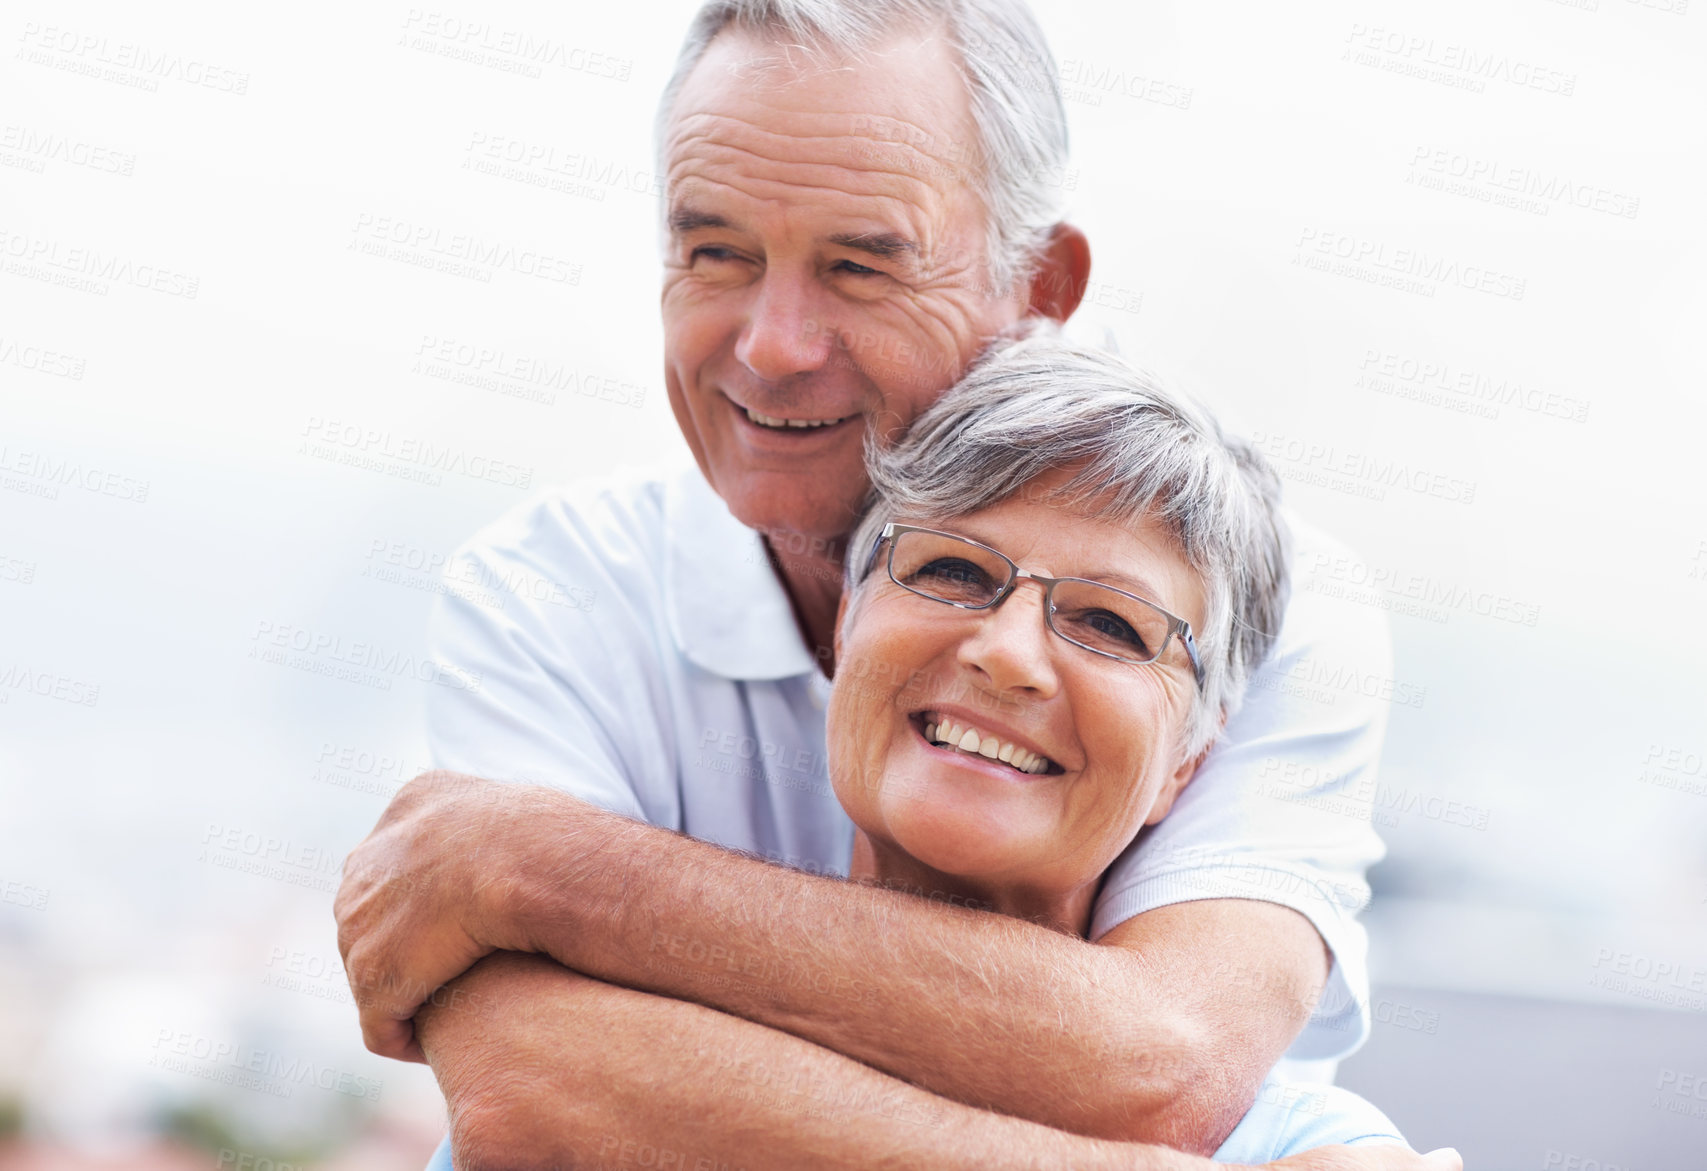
1019, 158
1037, 403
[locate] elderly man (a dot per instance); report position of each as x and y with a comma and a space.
860, 195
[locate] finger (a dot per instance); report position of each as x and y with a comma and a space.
390, 1037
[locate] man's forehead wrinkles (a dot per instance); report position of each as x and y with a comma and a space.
862, 128
796, 179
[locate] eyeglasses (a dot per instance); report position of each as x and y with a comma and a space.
959, 571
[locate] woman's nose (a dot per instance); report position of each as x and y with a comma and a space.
1012, 645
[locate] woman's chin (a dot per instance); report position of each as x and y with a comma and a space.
957, 841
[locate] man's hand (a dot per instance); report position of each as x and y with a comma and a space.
419, 902
1369, 1158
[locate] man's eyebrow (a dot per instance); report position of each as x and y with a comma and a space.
689, 219
887, 245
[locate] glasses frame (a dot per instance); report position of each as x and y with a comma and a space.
1177, 626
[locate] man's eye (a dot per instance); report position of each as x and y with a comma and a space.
849, 266
710, 252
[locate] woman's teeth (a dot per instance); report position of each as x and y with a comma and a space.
769, 421
969, 739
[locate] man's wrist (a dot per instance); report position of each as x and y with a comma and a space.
563, 881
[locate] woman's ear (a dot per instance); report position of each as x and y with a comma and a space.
1176, 784
836, 638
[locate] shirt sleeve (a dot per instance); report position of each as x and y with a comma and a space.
1289, 1118
543, 618
1281, 809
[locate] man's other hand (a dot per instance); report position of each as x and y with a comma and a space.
418, 903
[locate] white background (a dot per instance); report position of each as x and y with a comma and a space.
172, 498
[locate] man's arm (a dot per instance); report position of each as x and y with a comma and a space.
544, 1067
1148, 1035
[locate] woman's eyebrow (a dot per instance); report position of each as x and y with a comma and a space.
1132, 585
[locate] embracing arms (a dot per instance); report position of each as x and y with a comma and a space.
1160, 1032
545, 1067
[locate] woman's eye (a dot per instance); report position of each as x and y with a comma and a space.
1113, 628
950, 569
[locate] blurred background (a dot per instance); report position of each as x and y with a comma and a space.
1443, 261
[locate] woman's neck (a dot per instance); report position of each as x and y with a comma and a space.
877, 862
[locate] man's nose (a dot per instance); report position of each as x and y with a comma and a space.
1012, 646
785, 333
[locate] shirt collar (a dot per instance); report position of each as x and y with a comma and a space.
727, 608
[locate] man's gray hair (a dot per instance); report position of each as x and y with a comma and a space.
1018, 162
1037, 403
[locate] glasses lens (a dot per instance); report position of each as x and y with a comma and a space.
1103, 619
948, 569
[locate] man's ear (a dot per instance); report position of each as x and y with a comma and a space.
1176, 784
1063, 270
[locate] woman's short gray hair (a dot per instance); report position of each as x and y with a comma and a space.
1036, 403
1018, 163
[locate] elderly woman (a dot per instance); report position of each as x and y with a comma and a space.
1064, 579
1066, 576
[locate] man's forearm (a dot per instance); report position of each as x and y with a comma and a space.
983, 1009
542, 1066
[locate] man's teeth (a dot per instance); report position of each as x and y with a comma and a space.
769, 421
969, 739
